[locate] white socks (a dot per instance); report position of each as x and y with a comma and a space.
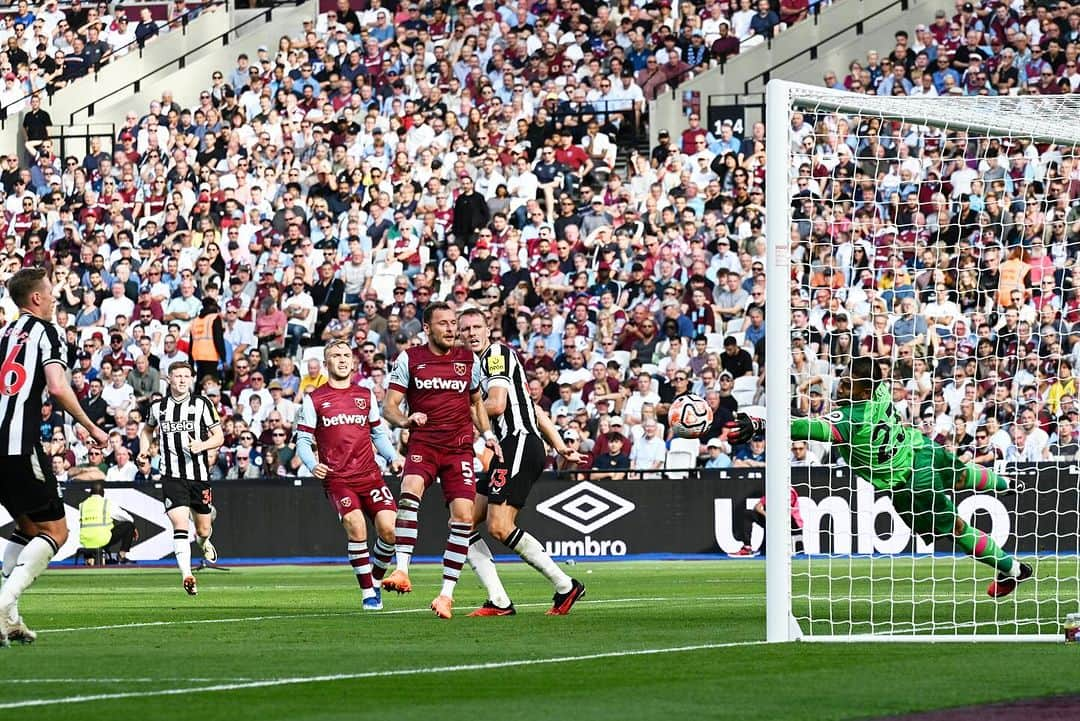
14, 547
182, 549
33, 559
532, 552
483, 562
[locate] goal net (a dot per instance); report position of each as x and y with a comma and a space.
938, 237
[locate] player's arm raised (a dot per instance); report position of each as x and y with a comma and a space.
822, 429
61, 392
551, 435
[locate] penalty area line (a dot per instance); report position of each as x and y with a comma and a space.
297, 680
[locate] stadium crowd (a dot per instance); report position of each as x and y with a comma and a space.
385, 158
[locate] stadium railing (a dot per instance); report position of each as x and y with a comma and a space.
135, 46
263, 15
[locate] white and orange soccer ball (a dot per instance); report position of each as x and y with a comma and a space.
689, 416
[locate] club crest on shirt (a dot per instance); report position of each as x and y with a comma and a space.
361, 403
346, 502
460, 368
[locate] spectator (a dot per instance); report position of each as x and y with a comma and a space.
717, 458
750, 455
147, 29
649, 452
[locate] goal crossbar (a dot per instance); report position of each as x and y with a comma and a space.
1033, 116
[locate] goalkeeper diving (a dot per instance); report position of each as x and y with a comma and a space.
917, 472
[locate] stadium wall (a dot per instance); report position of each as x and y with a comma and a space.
283, 519
120, 72
789, 59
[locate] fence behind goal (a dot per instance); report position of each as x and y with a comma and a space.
910, 230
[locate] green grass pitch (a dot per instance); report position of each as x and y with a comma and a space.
291, 643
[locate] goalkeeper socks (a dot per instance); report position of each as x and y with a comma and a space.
33, 559
16, 543
483, 563
182, 549
361, 566
985, 550
383, 553
981, 478
532, 552
405, 530
457, 548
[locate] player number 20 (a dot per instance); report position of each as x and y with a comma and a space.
381, 496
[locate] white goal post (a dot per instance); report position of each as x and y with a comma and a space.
848, 590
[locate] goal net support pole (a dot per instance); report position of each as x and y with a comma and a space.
1037, 120
780, 623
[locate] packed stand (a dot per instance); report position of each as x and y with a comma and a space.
453, 155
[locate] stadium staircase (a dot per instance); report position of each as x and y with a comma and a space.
829, 40
185, 76
181, 61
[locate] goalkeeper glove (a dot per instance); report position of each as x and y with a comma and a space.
743, 428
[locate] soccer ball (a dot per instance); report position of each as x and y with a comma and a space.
689, 416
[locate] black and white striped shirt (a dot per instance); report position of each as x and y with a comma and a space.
500, 366
176, 421
26, 347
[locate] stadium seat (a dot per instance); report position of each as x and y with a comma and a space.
315, 351
715, 341
382, 282
678, 463
752, 410
745, 390
739, 336
623, 357
686, 445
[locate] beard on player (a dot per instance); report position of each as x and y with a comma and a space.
442, 331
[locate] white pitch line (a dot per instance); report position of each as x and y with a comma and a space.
296, 680
199, 621
87, 679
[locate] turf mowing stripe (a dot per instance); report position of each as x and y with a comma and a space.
373, 674
188, 622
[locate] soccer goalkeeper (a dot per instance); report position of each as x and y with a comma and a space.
916, 471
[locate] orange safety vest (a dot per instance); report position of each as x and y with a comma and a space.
202, 339
1011, 277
